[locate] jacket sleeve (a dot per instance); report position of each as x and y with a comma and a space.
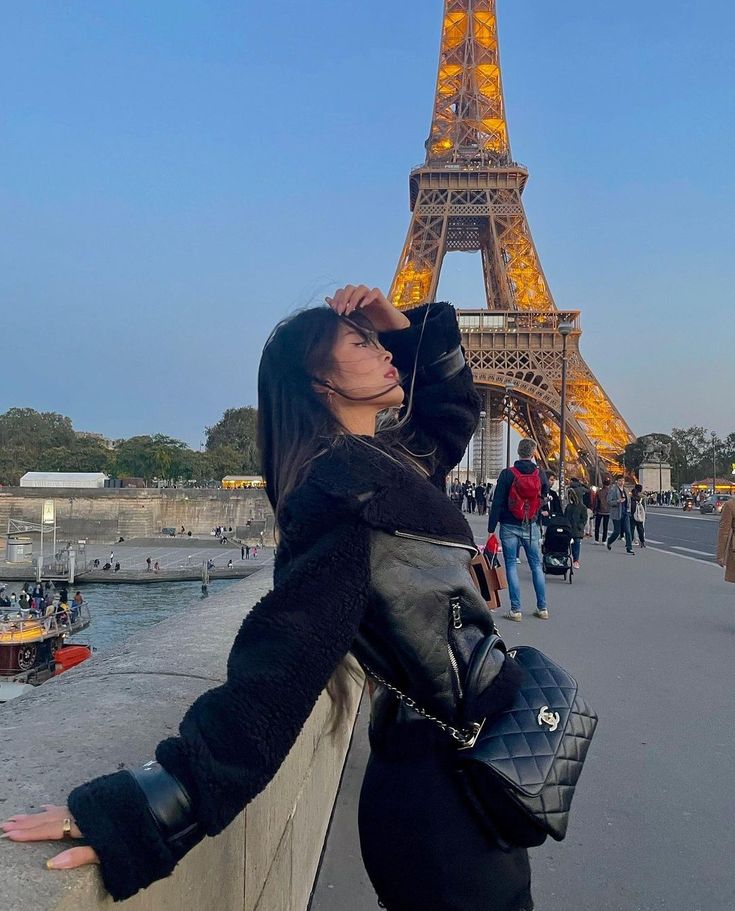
500, 498
446, 406
234, 738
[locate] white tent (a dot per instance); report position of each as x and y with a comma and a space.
79, 479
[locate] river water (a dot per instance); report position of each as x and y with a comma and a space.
118, 611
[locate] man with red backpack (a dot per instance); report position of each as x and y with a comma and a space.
519, 496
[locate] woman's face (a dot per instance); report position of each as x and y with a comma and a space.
363, 371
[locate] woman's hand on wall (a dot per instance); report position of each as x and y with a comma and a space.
49, 825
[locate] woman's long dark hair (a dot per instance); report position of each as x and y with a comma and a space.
296, 426
294, 422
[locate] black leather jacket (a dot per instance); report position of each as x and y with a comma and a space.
424, 618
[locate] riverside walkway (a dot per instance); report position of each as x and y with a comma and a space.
180, 560
650, 639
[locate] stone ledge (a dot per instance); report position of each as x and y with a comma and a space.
110, 713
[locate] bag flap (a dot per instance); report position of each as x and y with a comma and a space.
520, 744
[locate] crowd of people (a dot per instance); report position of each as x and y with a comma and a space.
39, 600
469, 496
526, 501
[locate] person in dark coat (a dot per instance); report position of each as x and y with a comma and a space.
602, 511
367, 541
576, 515
480, 499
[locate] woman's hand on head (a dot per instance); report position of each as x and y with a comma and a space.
372, 302
49, 826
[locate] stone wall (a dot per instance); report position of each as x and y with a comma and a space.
110, 713
108, 514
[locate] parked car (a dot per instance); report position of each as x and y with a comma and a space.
714, 504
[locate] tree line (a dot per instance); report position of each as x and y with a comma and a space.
46, 441
693, 450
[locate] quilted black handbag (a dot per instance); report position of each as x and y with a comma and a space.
521, 766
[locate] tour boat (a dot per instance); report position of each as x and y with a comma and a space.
34, 650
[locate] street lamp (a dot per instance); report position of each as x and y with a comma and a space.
565, 328
714, 463
508, 393
483, 415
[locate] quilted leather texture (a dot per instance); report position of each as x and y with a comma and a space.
535, 749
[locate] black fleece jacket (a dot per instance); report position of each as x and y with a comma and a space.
234, 738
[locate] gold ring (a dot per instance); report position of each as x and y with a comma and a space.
66, 828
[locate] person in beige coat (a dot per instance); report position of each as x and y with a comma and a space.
726, 540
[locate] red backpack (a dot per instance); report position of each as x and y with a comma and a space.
524, 497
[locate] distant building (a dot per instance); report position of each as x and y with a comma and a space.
242, 481
87, 480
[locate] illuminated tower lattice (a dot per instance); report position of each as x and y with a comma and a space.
467, 197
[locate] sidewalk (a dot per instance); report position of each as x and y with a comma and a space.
649, 639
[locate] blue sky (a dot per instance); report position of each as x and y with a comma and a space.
177, 176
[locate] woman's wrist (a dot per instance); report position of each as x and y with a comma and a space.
168, 802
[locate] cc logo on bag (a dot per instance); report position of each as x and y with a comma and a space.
547, 717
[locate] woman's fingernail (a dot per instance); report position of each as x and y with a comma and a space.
6, 835
50, 865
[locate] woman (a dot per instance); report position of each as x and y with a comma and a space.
638, 515
576, 514
726, 540
373, 558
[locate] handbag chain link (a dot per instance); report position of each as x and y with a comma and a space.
465, 737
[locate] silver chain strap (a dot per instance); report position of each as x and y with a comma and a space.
466, 737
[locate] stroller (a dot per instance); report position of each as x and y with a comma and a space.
557, 549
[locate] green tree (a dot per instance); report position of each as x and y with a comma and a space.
25, 436
236, 429
84, 454
692, 445
156, 456
41, 430
727, 460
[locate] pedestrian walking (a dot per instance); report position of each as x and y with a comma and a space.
576, 515
602, 511
638, 515
517, 501
148, 563
343, 582
590, 501
242, 553
617, 500
456, 493
470, 492
480, 499
726, 540
247, 551
553, 499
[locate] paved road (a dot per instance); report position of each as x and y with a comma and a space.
689, 534
650, 640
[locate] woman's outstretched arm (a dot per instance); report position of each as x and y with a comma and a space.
234, 738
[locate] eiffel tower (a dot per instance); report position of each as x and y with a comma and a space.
467, 197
